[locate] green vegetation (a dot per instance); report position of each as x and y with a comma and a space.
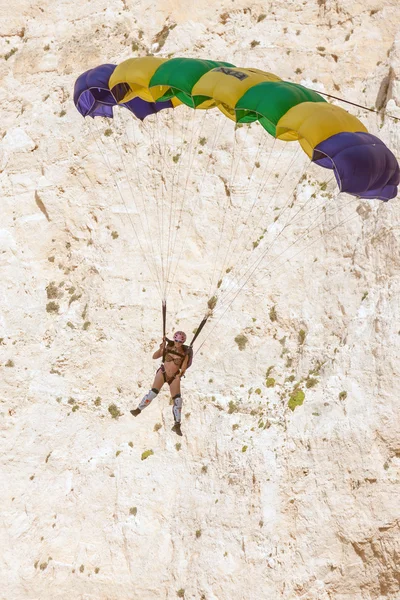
178, 446
270, 382
52, 307
108, 132
133, 511
244, 448
342, 395
146, 454
114, 411
311, 382
302, 336
52, 291
241, 341
157, 426
198, 533
232, 407
272, 314
97, 402
212, 302
10, 53
296, 398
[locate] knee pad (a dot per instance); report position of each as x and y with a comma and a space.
177, 400
177, 407
151, 394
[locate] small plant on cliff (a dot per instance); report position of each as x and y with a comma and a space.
296, 398
241, 341
114, 411
146, 454
52, 307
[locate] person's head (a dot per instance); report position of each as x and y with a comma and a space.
179, 337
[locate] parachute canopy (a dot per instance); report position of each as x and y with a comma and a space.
332, 138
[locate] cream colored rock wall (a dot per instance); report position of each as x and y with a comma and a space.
258, 502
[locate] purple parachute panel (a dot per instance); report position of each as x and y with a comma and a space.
362, 164
93, 98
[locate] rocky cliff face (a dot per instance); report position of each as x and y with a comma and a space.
286, 482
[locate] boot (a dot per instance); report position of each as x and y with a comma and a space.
177, 428
136, 412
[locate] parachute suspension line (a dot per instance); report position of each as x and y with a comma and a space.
261, 187
159, 150
343, 222
190, 158
237, 234
239, 260
117, 186
217, 134
225, 211
134, 144
231, 188
309, 230
171, 211
164, 323
185, 161
251, 270
153, 185
170, 183
142, 209
256, 263
252, 267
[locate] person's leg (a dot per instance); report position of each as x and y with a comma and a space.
151, 394
175, 389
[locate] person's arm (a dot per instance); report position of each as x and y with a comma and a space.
184, 366
158, 353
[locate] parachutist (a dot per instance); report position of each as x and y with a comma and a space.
176, 359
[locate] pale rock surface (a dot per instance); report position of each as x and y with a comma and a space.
259, 502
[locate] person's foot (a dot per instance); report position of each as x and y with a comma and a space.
177, 429
136, 412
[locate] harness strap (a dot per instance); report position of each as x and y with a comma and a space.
164, 318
